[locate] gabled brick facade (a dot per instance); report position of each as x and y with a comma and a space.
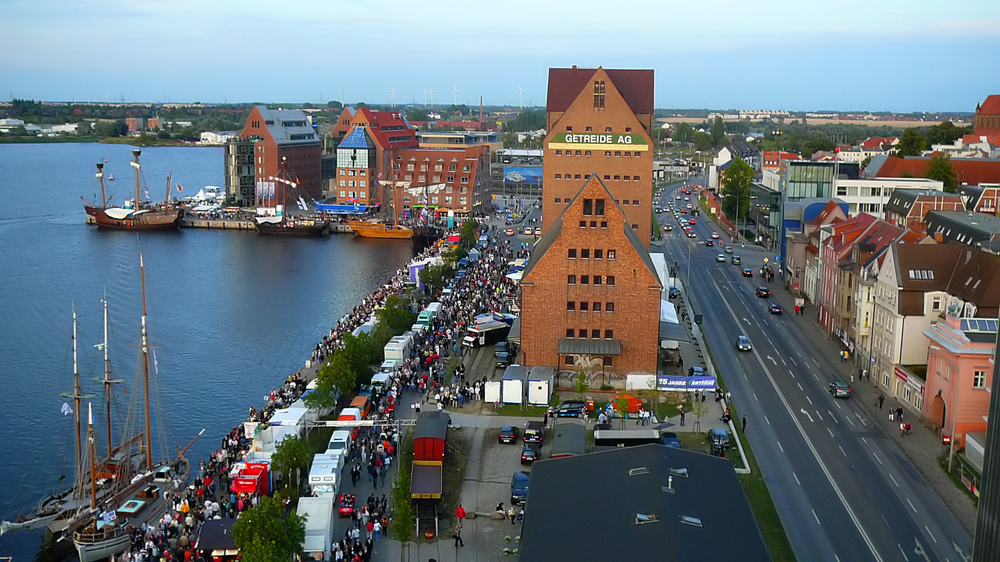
590, 257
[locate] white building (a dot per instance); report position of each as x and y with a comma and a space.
871, 195
217, 137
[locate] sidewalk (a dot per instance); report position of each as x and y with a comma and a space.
921, 447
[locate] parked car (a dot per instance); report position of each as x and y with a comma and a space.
673, 293
743, 343
719, 437
776, 308
501, 347
569, 409
503, 360
763, 292
508, 434
533, 432
530, 453
670, 440
519, 487
839, 390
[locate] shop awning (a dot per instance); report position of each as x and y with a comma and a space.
589, 347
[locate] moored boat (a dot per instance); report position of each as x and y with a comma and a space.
163, 216
277, 220
385, 231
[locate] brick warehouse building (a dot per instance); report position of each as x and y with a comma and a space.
284, 133
590, 296
600, 121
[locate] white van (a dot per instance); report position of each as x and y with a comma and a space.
340, 441
324, 475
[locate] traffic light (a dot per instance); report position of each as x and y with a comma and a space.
744, 245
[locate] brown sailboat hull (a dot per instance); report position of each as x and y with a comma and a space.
299, 229
169, 219
384, 231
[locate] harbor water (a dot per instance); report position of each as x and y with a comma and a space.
230, 314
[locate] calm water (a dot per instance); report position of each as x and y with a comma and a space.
231, 313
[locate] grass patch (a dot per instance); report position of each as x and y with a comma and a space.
524, 411
456, 456
955, 478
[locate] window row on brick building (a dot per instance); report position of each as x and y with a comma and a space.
608, 280
607, 153
585, 253
569, 129
592, 334
607, 177
587, 306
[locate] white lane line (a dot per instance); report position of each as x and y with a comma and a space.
792, 359
849, 420
769, 341
755, 397
903, 551
878, 459
800, 387
820, 416
832, 417
815, 376
782, 360
767, 420
911, 505
930, 533
796, 478
791, 373
816, 516
815, 361
810, 400
830, 431
842, 450
863, 439
893, 479
780, 447
838, 405
745, 375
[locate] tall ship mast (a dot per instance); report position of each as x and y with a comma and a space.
374, 229
137, 215
278, 220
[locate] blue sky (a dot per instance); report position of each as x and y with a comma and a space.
897, 55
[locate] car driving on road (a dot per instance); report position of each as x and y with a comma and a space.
721, 258
747, 272
839, 389
763, 292
743, 343
776, 308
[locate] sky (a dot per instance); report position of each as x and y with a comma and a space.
797, 55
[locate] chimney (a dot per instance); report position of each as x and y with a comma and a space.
574, 67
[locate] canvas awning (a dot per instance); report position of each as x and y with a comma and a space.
589, 347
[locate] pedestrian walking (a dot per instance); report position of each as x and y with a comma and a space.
460, 515
458, 537
744, 422
881, 399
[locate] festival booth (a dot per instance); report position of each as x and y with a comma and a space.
491, 392
250, 478
215, 540
291, 421
512, 384
540, 382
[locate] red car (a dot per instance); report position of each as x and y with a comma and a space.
691, 222
345, 504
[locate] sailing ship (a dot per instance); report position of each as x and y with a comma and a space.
102, 531
277, 219
134, 216
372, 229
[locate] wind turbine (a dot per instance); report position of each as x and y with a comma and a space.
392, 97
455, 91
522, 96
432, 97
425, 98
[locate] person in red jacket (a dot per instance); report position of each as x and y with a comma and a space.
460, 514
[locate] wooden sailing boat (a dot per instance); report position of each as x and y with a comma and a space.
137, 217
367, 229
277, 219
140, 499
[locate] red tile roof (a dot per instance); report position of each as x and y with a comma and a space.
970, 171
380, 120
877, 143
991, 106
824, 216
565, 84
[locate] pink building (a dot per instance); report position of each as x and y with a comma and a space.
835, 247
959, 374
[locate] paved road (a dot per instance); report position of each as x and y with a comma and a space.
841, 485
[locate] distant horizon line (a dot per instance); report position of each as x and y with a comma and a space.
445, 106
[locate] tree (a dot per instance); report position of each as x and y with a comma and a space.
736, 189
912, 143
402, 522
265, 534
417, 115
865, 162
940, 169
702, 141
580, 384
699, 409
292, 456
684, 132
359, 354
334, 105
718, 132
945, 133
468, 234
336, 376
433, 276
526, 120
396, 314
621, 404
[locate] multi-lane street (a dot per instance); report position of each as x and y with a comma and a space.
842, 487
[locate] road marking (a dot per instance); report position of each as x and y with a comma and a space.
830, 431
809, 444
747, 321
782, 360
838, 405
793, 361
863, 439
878, 459
745, 375
816, 516
911, 505
893, 479
819, 415
832, 417
768, 423
810, 400
755, 397
903, 551
772, 358
796, 478
815, 361
842, 450
780, 447
803, 410
861, 419
930, 533
850, 421
791, 373
800, 387
815, 376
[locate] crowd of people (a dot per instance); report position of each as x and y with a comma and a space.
484, 289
